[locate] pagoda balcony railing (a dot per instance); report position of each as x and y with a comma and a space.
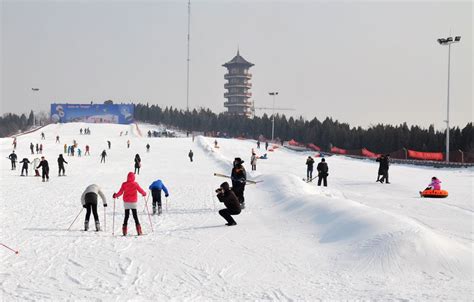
231, 94
240, 75
242, 104
231, 85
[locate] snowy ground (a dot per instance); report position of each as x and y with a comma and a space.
355, 239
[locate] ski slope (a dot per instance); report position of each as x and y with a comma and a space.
355, 239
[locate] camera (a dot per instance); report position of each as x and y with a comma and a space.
219, 190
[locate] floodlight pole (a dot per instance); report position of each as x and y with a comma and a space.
448, 41
187, 66
34, 115
275, 93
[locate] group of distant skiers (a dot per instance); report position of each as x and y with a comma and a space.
86, 131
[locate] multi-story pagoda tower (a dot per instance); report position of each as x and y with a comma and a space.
238, 85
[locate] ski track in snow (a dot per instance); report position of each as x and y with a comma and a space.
294, 241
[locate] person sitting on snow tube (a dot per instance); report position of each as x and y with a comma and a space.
434, 189
435, 184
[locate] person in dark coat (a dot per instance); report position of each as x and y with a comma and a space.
147, 147
25, 161
191, 154
138, 163
45, 169
323, 172
239, 177
266, 145
12, 157
61, 162
32, 148
109, 144
102, 156
309, 168
231, 202
384, 163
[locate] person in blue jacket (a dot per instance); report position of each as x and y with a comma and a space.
156, 187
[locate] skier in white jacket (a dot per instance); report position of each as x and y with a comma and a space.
89, 202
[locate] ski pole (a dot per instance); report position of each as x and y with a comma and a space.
146, 201
149, 217
16, 252
75, 219
166, 204
113, 221
105, 220
213, 200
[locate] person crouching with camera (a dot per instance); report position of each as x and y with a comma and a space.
231, 202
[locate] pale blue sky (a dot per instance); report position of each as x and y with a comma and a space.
358, 62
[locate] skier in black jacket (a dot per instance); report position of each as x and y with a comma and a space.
12, 157
102, 156
25, 163
384, 163
61, 162
45, 169
191, 154
322, 172
309, 168
239, 177
232, 204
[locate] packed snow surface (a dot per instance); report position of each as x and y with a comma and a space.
355, 239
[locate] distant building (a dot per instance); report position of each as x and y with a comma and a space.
238, 85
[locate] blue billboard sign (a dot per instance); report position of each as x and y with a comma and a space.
92, 113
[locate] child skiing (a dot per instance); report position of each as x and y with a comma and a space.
227, 196
156, 187
89, 202
35, 164
191, 154
129, 190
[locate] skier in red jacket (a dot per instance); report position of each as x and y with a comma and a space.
129, 190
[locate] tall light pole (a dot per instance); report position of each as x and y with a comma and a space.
448, 41
34, 115
274, 94
187, 66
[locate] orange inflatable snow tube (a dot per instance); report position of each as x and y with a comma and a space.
434, 193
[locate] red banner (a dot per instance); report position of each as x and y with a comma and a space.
338, 150
314, 147
425, 155
368, 153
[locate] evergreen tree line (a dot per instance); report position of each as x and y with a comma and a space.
379, 138
11, 123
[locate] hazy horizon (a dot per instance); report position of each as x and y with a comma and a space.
361, 63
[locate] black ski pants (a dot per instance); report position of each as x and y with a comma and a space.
226, 214
127, 214
323, 179
137, 170
24, 168
309, 173
45, 174
61, 168
102, 160
384, 176
156, 196
91, 206
239, 192
13, 165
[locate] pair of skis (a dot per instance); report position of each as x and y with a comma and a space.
252, 182
309, 180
